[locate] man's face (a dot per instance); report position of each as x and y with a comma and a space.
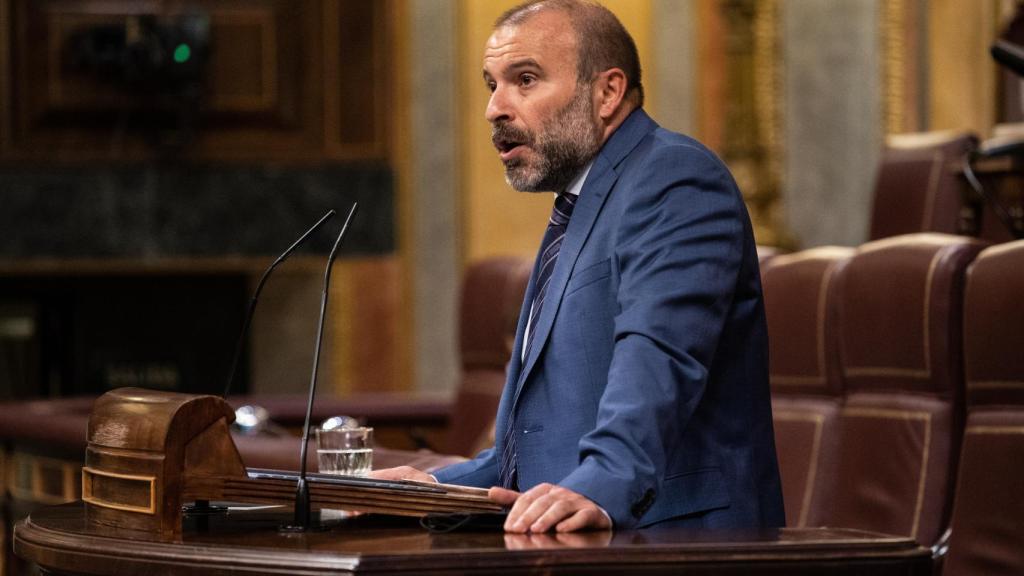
542, 119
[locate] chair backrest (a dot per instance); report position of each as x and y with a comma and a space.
917, 189
899, 318
994, 327
804, 376
492, 295
801, 322
987, 534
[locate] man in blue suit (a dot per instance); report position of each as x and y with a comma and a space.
637, 394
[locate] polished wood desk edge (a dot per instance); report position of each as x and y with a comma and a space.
44, 545
58, 548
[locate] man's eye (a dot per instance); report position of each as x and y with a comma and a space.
527, 79
492, 86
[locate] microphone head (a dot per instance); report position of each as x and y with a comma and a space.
1009, 55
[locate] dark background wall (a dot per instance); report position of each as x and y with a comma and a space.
155, 157
184, 210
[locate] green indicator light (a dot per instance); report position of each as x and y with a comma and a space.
182, 53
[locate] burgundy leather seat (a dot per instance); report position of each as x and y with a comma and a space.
917, 188
987, 531
492, 295
899, 306
804, 374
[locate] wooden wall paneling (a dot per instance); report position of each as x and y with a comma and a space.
357, 87
364, 326
372, 326
268, 94
243, 70
58, 110
400, 156
740, 103
961, 73
6, 81
902, 30
711, 68
265, 99
331, 79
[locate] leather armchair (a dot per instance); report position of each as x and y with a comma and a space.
804, 376
987, 535
917, 188
899, 312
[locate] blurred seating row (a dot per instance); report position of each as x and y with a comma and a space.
921, 186
898, 392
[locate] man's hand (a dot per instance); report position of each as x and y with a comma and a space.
402, 473
547, 506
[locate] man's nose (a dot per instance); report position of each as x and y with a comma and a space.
498, 107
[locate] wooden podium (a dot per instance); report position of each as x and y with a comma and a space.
61, 541
149, 453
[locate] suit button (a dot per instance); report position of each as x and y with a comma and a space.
641, 506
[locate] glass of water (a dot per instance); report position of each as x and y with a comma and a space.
345, 451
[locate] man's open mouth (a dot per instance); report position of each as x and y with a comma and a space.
509, 141
508, 149
506, 145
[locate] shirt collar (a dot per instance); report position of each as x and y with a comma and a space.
576, 186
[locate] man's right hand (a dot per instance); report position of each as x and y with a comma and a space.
402, 473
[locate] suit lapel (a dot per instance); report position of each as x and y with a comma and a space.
599, 182
596, 189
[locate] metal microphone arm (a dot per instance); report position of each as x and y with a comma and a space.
240, 345
302, 505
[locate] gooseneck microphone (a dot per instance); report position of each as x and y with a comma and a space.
302, 504
1008, 54
255, 296
1002, 214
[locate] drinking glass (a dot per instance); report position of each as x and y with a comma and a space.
345, 451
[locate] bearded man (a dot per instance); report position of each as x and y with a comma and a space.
637, 392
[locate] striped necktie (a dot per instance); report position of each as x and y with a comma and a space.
549, 248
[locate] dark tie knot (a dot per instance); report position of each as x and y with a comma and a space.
564, 203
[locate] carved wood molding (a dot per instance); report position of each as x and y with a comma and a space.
750, 134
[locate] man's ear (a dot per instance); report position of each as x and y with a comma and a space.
610, 89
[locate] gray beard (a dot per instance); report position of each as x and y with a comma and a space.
569, 141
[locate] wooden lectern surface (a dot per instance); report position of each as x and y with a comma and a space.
61, 540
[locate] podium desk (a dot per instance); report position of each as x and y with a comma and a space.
60, 540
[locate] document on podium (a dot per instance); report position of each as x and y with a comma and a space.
401, 497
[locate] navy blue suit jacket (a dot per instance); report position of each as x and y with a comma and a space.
646, 389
